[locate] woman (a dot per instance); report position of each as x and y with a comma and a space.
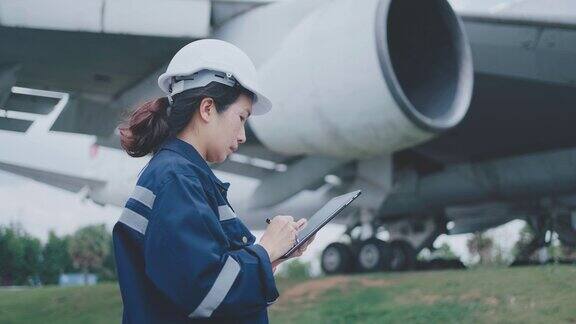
182, 254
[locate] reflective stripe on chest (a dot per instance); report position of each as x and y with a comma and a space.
225, 213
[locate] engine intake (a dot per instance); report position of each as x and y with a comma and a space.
356, 78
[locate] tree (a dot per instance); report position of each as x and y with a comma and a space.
11, 254
32, 257
55, 258
19, 256
88, 248
480, 244
108, 270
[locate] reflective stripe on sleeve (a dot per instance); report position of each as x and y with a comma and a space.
133, 220
143, 195
225, 212
219, 289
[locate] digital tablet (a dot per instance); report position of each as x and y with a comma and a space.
322, 217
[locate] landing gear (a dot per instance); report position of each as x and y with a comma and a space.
540, 225
336, 259
403, 256
560, 222
373, 255
367, 251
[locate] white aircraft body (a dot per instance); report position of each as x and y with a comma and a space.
451, 121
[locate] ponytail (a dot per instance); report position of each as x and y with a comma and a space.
149, 125
146, 128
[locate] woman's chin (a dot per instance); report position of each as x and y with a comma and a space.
220, 159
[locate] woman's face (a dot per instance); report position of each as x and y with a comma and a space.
226, 131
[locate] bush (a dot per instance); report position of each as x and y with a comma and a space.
20, 256
295, 269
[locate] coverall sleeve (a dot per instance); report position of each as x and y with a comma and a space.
187, 257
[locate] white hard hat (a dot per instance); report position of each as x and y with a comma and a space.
203, 61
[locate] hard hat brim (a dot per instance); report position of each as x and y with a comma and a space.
260, 106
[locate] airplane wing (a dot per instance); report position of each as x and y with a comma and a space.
525, 82
107, 63
59, 180
105, 54
524, 40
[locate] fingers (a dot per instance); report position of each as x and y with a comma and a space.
287, 228
304, 246
310, 240
288, 218
293, 239
300, 251
294, 226
283, 218
296, 253
301, 223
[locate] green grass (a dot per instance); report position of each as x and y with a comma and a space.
96, 304
496, 295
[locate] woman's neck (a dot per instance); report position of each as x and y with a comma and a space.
194, 141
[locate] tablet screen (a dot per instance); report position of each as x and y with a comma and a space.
325, 212
323, 216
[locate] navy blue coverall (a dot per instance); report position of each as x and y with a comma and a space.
182, 254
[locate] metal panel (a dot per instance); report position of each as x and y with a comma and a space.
15, 125
31, 104
8, 76
77, 15
171, 18
301, 175
56, 179
534, 52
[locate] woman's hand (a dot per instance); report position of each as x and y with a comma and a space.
302, 223
280, 236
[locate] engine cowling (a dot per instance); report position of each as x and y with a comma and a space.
357, 78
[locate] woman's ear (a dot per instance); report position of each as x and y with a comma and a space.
207, 109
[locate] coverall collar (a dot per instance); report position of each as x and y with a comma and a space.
191, 154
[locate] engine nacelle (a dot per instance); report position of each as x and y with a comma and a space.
355, 78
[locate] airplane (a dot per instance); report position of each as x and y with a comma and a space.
453, 117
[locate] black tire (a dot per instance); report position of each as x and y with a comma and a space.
372, 255
403, 256
336, 259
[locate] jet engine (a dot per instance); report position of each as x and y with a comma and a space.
356, 78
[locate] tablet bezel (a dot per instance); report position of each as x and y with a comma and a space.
328, 219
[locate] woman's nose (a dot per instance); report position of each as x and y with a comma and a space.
242, 136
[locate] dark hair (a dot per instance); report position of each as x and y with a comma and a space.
149, 125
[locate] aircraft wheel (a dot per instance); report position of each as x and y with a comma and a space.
373, 255
403, 256
336, 258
